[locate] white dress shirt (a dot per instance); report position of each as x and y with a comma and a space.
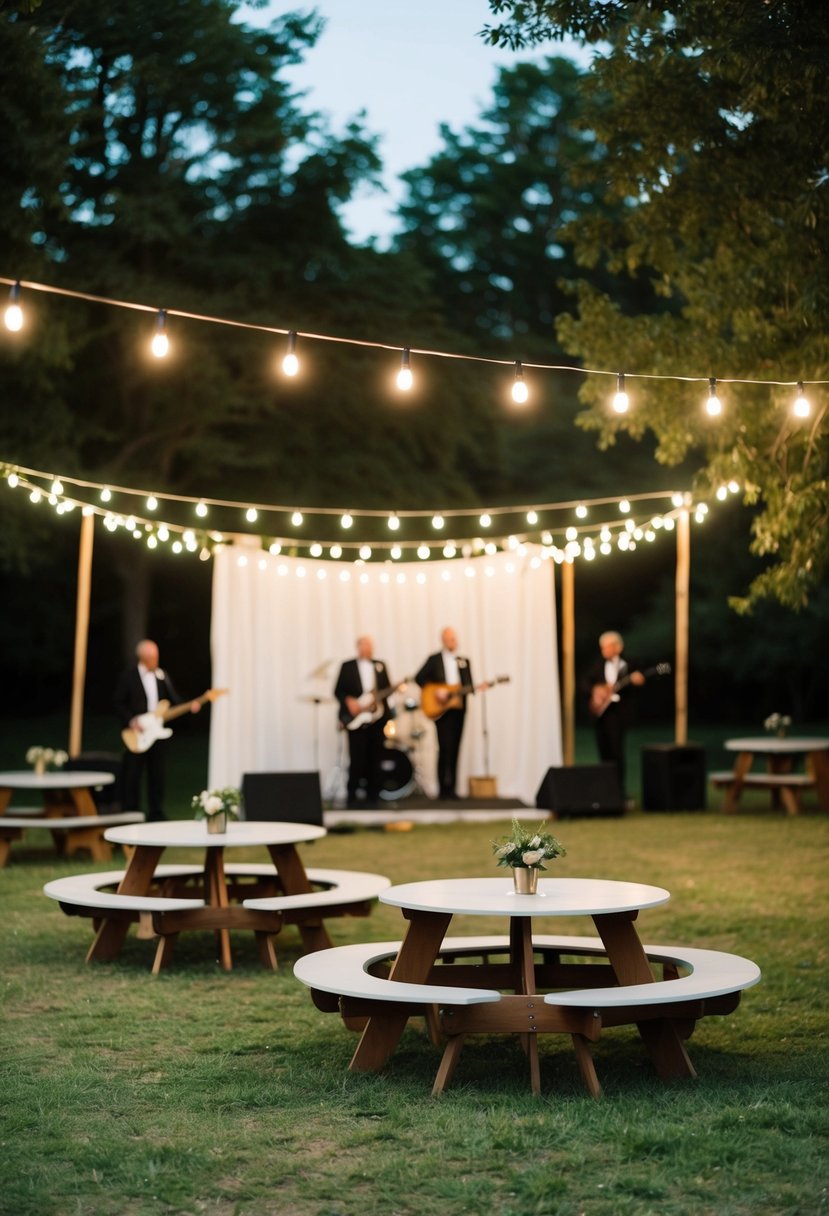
150, 681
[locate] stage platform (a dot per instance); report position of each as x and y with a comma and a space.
416, 810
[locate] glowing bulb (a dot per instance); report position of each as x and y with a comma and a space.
581, 511
437, 522
316, 549
201, 509
546, 538
396, 553
394, 523
722, 493
275, 549
296, 519
423, 552
152, 503
621, 401
485, 520
106, 494
532, 517
14, 313
13, 480
520, 392
57, 486
251, 515
152, 542
177, 546
571, 534
490, 548
365, 552
160, 344
734, 487
336, 551
713, 406
164, 533
802, 407
449, 550
290, 364
404, 376
346, 521
624, 506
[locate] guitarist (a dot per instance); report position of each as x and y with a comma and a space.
448, 667
609, 705
139, 690
357, 683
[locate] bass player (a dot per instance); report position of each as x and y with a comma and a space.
362, 690
608, 685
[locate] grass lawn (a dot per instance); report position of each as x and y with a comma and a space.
207, 1092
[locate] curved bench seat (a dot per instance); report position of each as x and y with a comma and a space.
80, 831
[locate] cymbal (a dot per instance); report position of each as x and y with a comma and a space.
312, 700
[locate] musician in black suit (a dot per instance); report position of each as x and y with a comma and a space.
359, 689
611, 707
139, 690
447, 667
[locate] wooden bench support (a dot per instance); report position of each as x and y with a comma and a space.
70, 833
786, 786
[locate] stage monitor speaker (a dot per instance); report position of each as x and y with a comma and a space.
282, 797
673, 777
581, 789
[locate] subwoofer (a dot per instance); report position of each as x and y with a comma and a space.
282, 797
581, 789
673, 777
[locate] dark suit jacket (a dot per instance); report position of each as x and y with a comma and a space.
349, 684
432, 671
596, 676
130, 698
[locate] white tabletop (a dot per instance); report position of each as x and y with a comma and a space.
773, 745
496, 897
193, 833
54, 780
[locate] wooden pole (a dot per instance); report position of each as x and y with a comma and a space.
683, 573
568, 661
81, 632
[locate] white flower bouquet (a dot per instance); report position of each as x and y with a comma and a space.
42, 758
217, 802
528, 849
777, 724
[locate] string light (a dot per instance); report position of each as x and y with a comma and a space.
275, 548
532, 518
449, 550
394, 523
13, 480
404, 376
160, 344
621, 401
251, 515
437, 522
57, 486
365, 552
316, 550
485, 521
106, 494
423, 552
13, 316
201, 509
581, 511
624, 506
290, 364
346, 521
520, 392
296, 519
336, 551
152, 503
802, 407
713, 405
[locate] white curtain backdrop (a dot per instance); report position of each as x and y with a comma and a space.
282, 626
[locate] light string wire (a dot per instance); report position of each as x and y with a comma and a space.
51, 289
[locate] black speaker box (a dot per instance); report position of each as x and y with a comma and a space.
581, 789
282, 797
673, 777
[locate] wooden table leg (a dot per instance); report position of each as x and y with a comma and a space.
294, 881
742, 765
630, 964
137, 880
417, 955
817, 763
84, 802
215, 894
521, 952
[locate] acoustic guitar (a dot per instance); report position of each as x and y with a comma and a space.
152, 726
602, 694
435, 706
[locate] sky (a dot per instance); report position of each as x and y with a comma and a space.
410, 67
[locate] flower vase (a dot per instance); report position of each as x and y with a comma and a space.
525, 879
217, 823
40, 768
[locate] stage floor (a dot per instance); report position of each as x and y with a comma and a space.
418, 809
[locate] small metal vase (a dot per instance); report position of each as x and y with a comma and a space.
217, 823
525, 879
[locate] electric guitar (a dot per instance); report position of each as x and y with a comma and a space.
602, 694
151, 724
435, 707
375, 707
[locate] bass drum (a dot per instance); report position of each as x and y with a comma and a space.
396, 775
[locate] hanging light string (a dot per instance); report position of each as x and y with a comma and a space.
19, 285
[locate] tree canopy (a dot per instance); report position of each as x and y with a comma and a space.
715, 119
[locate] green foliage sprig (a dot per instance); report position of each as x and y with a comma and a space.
216, 802
527, 849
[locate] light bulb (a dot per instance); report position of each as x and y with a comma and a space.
571, 534
290, 364
275, 548
316, 549
177, 546
365, 552
713, 406
802, 407
296, 519
404, 376
152, 503
520, 392
734, 487
336, 551
581, 511
621, 401
449, 550
13, 480
57, 486
160, 344
624, 506
394, 523
106, 494
423, 552
201, 509
437, 522
14, 313
251, 515
395, 553
164, 533
532, 517
722, 493
346, 521
485, 521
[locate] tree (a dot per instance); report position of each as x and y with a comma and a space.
715, 117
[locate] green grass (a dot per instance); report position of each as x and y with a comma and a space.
206, 1092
